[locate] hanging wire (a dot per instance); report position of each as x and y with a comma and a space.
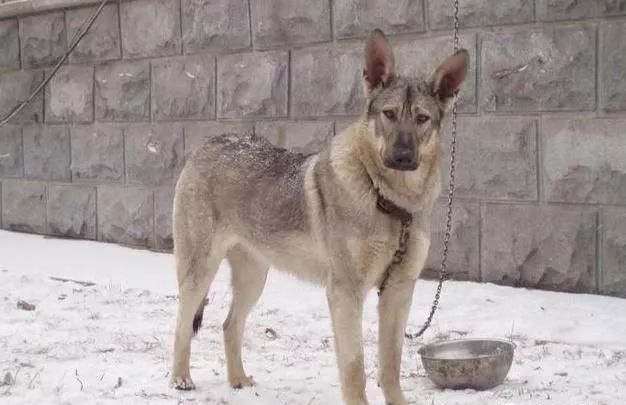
82, 31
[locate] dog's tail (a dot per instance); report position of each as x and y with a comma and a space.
197, 319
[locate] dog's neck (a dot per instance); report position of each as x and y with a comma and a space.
389, 207
359, 167
409, 190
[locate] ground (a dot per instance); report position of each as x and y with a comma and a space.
111, 342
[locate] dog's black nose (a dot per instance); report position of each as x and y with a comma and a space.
404, 158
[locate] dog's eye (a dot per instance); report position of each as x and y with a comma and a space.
390, 114
422, 118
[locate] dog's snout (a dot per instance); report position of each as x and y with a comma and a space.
402, 155
404, 159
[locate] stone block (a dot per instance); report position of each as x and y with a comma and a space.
9, 45
163, 204
613, 273
123, 91
150, 28
20, 85
69, 95
420, 58
289, 22
11, 155
476, 13
550, 10
154, 154
551, 247
197, 133
327, 81
463, 256
252, 85
72, 211
183, 88
356, 18
229, 28
541, 70
43, 39
497, 158
126, 215
97, 153
584, 160
612, 66
47, 152
102, 41
24, 206
300, 136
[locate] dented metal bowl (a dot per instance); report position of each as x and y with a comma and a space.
478, 364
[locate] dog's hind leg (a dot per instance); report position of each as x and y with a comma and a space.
196, 265
249, 273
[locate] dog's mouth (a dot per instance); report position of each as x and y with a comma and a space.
401, 166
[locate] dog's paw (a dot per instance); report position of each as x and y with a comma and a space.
397, 399
357, 402
182, 383
241, 382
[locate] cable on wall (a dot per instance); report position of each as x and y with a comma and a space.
82, 31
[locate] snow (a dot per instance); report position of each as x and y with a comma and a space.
111, 342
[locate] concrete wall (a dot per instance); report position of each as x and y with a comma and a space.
542, 141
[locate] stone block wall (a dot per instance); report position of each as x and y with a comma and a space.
542, 132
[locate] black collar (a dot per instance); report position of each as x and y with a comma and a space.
389, 207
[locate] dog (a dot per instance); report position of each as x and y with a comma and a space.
320, 218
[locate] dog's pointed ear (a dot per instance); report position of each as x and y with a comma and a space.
448, 77
379, 62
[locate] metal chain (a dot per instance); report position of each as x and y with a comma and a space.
443, 272
403, 240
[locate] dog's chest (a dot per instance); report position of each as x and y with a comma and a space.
371, 255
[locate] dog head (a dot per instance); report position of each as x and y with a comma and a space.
406, 112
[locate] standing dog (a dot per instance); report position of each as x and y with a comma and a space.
319, 218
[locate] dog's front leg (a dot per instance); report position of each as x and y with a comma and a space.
393, 311
346, 308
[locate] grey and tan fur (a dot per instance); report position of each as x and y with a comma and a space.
316, 217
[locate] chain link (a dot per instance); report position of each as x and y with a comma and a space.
403, 240
443, 271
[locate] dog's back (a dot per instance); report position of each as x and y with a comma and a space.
243, 190
243, 174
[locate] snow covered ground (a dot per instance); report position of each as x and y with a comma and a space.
110, 343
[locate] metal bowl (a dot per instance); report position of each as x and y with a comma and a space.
468, 363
